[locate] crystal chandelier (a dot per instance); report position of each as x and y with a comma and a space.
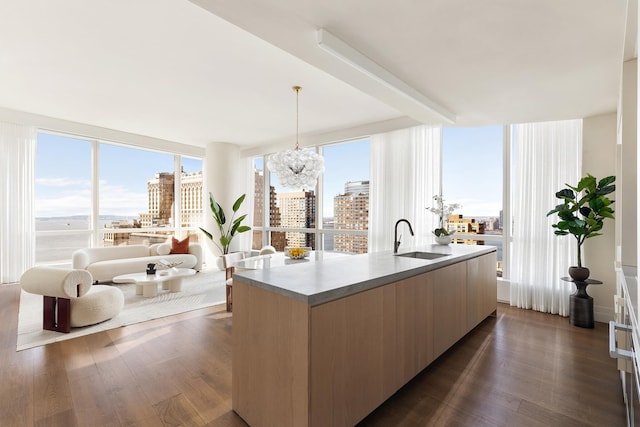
298, 169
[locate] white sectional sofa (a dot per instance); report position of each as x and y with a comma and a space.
106, 263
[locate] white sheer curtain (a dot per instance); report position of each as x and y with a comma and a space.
17, 224
247, 171
548, 156
405, 175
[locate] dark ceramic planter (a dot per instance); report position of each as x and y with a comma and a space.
579, 274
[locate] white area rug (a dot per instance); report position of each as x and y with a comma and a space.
205, 289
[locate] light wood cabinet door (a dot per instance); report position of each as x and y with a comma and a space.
449, 306
414, 332
482, 297
353, 343
270, 357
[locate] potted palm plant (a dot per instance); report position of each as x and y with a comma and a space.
582, 214
234, 227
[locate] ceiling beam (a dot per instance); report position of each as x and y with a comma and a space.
287, 32
352, 57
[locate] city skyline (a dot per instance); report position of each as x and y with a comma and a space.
63, 177
63, 181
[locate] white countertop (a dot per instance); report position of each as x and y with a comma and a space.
328, 276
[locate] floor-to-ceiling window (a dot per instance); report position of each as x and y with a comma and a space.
345, 216
191, 199
97, 193
62, 196
333, 216
472, 176
136, 189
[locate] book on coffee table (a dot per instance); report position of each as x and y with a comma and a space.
169, 264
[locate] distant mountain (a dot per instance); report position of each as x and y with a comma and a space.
83, 218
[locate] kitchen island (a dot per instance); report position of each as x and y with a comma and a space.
326, 342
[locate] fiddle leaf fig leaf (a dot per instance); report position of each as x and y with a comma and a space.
587, 183
585, 207
585, 211
606, 181
607, 214
606, 190
565, 194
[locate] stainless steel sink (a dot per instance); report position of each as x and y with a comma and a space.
422, 255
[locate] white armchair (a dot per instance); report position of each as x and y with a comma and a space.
70, 299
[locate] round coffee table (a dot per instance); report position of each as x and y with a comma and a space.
147, 284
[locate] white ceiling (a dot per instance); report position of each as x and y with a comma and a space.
206, 70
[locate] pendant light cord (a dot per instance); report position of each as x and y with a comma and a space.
297, 89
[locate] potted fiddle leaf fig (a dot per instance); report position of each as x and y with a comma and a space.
582, 214
234, 227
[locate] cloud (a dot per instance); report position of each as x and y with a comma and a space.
61, 182
67, 201
117, 200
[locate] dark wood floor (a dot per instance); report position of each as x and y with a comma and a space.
521, 368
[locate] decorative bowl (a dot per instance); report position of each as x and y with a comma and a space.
297, 252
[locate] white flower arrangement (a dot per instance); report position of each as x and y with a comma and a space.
443, 211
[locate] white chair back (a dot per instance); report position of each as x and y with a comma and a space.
267, 250
229, 260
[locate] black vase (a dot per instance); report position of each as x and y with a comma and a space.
151, 269
579, 274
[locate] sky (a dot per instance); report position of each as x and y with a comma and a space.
63, 177
471, 163
472, 169
472, 173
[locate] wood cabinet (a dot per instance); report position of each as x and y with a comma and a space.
481, 289
270, 357
351, 338
334, 363
449, 306
414, 326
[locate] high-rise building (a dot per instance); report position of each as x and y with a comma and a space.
492, 224
467, 226
160, 196
191, 198
258, 208
351, 212
278, 238
298, 210
160, 190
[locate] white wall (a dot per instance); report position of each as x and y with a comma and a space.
626, 194
599, 150
226, 176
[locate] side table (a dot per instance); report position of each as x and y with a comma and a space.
581, 304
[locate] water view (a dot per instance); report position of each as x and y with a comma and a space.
70, 234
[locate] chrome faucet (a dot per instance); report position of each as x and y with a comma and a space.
396, 242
